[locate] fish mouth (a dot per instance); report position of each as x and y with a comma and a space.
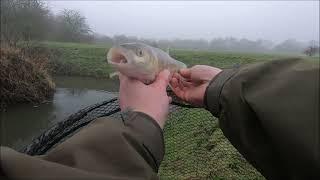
116, 55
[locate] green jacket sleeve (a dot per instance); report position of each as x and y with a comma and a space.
270, 112
131, 148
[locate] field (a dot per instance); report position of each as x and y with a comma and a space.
197, 149
90, 60
195, 146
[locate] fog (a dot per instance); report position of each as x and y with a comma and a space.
270, 20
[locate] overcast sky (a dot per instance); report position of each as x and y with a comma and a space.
271, 20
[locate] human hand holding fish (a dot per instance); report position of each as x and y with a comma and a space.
190, 84
143, 63
150, 99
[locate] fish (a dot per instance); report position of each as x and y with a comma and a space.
141, 61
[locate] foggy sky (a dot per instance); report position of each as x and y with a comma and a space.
253, 20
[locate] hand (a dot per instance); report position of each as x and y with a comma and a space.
190, 84
151, 99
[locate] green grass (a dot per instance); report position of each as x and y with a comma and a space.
79, 59
196, 148
90, 59
73, 45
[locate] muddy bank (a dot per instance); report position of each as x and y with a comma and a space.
24, 77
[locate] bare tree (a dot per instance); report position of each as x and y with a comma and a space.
29, 20
73, 26
23, 20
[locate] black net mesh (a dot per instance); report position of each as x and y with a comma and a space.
195, 146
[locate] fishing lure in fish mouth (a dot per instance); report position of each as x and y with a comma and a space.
141, 61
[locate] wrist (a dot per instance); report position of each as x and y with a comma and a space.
149, 133
214, 89
153, 115
203, 97
208, 84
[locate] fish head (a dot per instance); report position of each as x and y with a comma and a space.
135, 60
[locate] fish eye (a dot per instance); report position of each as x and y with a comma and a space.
139, 53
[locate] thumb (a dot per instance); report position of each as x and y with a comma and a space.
122, 78
162, 80
186, 73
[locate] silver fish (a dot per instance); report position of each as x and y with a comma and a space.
141, 61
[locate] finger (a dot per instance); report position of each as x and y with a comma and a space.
176, 88
170, 99
186, 73
179, 78
170, 76
123, 81
185, 82
179, 92
176, 75
174, 82
123, 78
180, 83
162, 80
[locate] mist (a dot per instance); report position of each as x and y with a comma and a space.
271, 20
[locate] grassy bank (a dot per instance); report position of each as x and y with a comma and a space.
23, 77
90, 59
78, 59
197, 149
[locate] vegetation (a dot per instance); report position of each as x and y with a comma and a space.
230, 44
23, 78
81, 59
78, 59
30, 20
90, 59
24, 72
197, 149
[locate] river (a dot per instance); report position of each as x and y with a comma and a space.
21, 123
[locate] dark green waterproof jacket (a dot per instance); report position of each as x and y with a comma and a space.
269, 111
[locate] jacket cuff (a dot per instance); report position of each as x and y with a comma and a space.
213, 91
149, 132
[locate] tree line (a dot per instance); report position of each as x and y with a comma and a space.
32, 20
221, 44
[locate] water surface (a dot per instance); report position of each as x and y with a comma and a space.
21, 123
